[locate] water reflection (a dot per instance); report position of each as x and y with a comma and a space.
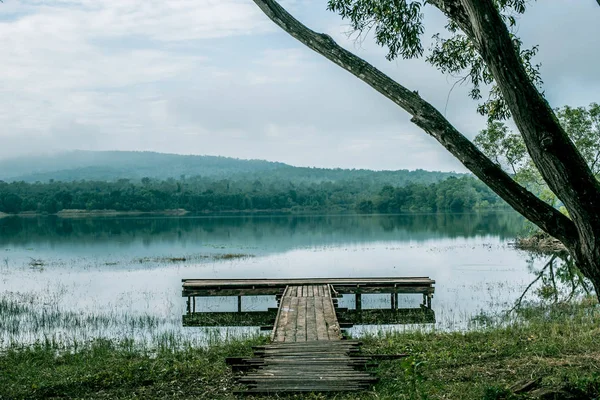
286, 231
117, 278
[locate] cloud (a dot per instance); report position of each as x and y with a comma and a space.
217, 77
173, 20
66, 82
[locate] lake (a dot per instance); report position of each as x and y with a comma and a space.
68, 281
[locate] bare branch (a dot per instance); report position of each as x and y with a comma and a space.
539, 276
553, 282
431, 121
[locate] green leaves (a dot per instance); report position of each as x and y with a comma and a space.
505, 148
508, 150
397, 24
583, 127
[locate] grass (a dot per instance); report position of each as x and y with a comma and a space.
557, 347
193, 257
29, 320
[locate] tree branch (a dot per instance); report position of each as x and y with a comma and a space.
433, 122
538, 277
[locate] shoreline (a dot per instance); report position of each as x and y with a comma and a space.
540, 242
75, 213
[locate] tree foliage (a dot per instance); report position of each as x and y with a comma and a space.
508, 150
198, 194
398, 25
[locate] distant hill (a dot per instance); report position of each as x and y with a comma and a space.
115, 165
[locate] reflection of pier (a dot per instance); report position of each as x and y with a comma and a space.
307, 353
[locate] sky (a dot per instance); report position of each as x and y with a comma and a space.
216, 77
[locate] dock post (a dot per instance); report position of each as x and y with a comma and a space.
240, 304
358, 300
393, 301
194, 304
188, 304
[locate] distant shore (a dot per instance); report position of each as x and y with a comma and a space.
74, 213
78, 213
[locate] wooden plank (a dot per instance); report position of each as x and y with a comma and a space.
345, 343
320, 319
315, 344
301, 324
304, 281
282, 317
311, 317
291, 326
382, 289
333, 328
226, 292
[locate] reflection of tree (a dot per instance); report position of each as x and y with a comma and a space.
293, 230
560, 279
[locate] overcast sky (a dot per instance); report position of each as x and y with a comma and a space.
216, 77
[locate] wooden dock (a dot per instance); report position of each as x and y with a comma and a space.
307, 352
306, 314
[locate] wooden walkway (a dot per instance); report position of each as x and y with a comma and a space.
315, 366
306, 353
306, 314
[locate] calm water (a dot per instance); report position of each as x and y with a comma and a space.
111, 277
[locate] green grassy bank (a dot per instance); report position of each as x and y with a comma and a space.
557, 348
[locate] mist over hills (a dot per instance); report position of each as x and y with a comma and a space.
114, 165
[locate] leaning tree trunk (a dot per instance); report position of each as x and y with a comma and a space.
554, 154
559, 162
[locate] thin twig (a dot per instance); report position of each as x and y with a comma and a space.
573, 285
540, 274
553, 281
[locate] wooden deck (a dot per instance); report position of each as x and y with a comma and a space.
307, 353
306, 314
249, 287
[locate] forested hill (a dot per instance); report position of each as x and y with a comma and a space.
154, 182
111, 166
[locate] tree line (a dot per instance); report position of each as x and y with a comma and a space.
199, 194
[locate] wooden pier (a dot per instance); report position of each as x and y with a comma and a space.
306, 314
307, 352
